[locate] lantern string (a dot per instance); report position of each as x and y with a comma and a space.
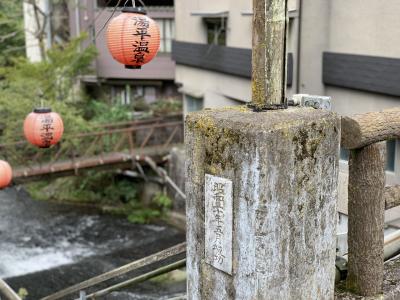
141, 2
104, 26
108, 20
98, 16
95, 38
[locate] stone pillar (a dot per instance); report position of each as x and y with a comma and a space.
261, 203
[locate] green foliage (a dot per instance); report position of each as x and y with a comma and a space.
54, 82
161, 203
103, 113
115, 194
12, 38
100, 188
143, 215
26, 85
167, 106
23, 293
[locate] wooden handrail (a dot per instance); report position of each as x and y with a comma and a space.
365, 129
178, 249
165, 269
368, 196
366, 219
7, 291
392, 196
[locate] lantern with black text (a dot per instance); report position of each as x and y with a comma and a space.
5, 174
43, 128
133, 38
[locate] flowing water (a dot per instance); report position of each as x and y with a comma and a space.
45, 247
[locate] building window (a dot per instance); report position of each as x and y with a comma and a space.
121, 95
344, 154
390, 155
193, 104
113, 3
128, 94
167, 34
216, 31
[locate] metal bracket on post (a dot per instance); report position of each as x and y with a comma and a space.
317, 102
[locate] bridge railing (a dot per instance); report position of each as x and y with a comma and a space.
368, 197
108, 144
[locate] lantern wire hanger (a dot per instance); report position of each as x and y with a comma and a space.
108, 20
41, 95
115, 9
104, 26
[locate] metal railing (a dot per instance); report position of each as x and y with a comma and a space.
134, 266
108, 144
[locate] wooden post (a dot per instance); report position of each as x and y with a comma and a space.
366, 219
269, 53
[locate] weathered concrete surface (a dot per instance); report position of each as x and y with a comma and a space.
176, 170
284, 168
391, 284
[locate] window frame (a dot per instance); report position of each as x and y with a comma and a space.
219, 31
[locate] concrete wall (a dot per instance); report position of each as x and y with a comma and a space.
238, 27
217, 89
363, 27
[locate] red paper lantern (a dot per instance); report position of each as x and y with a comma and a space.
5, 174
133, 38
43, 128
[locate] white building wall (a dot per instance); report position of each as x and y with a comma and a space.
33, 51
216, 89
363, 27
225, 89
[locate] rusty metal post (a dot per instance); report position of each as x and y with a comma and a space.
269, 58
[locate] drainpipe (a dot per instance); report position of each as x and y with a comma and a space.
77, 21
300, 8
47, 11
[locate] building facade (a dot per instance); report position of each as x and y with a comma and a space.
343, 49
154, 81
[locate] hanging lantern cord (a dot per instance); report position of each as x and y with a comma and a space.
41, 95
112, 15
134, 3
141, 2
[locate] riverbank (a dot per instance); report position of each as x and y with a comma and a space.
48, 246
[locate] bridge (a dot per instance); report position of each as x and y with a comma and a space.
118, 145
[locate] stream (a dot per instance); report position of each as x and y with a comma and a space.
46, 247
